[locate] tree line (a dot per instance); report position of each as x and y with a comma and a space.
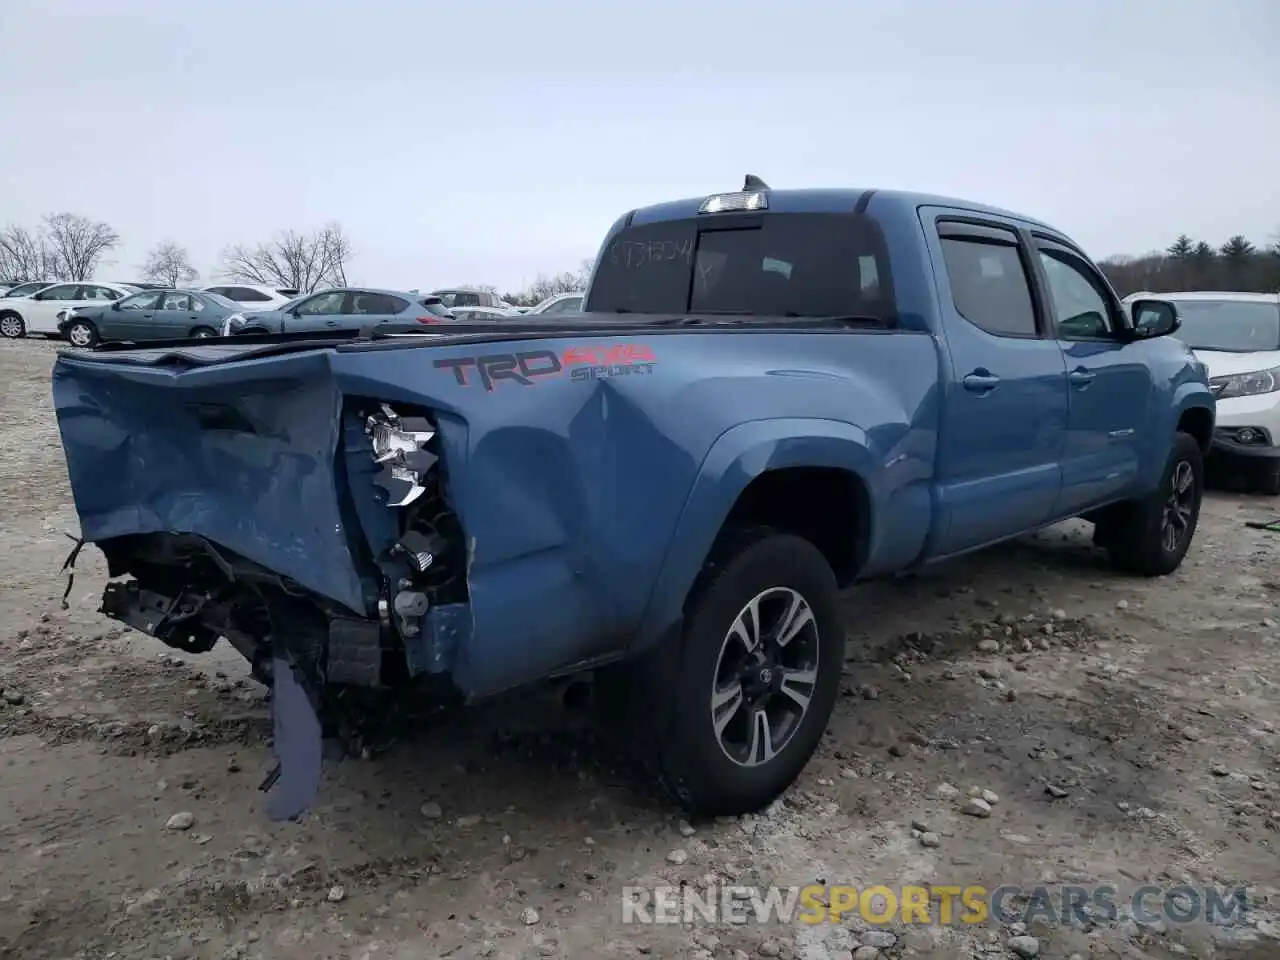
68, 246
546, 285
1189, 264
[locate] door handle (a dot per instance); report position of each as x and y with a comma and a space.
331, 323
981, 382
1080, 377
147, 316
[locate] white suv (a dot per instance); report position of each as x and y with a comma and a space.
1237, 336
253, 296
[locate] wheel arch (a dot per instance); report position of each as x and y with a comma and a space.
1197, 420
741, 479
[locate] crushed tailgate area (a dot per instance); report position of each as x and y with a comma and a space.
1129, 731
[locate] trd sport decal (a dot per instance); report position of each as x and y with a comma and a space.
527, 367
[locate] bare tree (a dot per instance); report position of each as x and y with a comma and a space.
77, 244
570, 281
170, 264
297, 261
25, 255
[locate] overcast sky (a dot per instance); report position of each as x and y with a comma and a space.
490, 141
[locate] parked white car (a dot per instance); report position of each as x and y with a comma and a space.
1237, 336
474, 314
253, 296
38, 313
468, 297
26, 288
560, 303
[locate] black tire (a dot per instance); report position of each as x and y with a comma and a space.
668, 695
82, 333
12, 326
1138, 543
201, 332
1268, 481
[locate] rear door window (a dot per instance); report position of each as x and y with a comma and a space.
771, 265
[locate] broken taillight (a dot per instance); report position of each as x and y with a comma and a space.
399, 445
428, 319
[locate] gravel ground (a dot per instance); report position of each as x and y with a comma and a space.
1129, 729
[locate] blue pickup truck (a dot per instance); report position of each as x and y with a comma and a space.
768, 395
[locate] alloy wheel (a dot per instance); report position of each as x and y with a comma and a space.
11, 327
80, 335
765, 676
1176, 521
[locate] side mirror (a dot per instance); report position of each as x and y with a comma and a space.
1154, 318
115, 304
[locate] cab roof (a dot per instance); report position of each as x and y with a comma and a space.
828, 200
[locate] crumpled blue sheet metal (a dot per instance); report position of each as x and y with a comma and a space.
250, 468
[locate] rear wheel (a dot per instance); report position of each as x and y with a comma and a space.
1151, 536
730, 713
201, 333
82, 333
11, 326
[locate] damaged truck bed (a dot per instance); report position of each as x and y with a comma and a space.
770, 394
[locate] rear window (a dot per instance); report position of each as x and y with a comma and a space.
781, 264
245, 295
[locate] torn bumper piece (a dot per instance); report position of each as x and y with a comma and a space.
297, 690
299, 746
300, 668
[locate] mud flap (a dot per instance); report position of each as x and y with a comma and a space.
298, 744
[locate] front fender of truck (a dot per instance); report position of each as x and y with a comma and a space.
748, 450
1183, 401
